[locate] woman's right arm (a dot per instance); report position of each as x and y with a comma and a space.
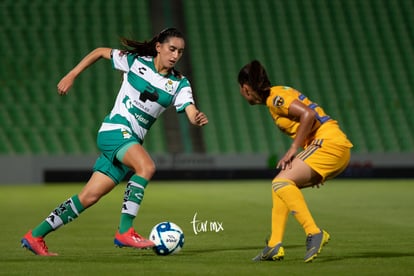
66, 82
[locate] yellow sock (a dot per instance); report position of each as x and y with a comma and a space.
280, 214
295, 202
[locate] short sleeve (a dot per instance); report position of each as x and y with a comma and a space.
184, 96
121, 60
280, 99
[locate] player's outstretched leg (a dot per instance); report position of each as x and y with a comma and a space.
314, 244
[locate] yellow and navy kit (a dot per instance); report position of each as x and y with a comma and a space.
279, 101
326, 150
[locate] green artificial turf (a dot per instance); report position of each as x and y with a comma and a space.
370, 221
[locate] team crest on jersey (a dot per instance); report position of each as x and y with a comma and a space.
126, 134
169, 86
278, 101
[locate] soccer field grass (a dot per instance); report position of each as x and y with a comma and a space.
370, 221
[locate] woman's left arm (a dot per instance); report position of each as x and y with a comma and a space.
306, 118
195, 116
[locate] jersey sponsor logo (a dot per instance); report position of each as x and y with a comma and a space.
142, 70
140, 118
134, 111
142, 106
278, 101
149, 94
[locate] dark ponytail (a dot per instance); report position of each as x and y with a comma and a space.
254, 74
147, 48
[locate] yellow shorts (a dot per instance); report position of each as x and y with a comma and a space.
327, 157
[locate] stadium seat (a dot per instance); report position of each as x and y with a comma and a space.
353, 57
346, 56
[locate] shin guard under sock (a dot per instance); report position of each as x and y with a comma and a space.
134, 193
63, 214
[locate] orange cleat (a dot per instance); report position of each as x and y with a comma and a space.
36, 245
132, 239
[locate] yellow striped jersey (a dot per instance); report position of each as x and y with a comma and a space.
325, 127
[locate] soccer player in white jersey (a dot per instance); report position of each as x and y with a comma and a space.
150, 85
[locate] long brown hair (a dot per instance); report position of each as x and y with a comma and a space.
254, 74
147, 48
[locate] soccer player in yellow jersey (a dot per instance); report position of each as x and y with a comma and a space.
319, 151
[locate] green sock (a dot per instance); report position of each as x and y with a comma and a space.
134, 193
63, 214
42, 229
125, 222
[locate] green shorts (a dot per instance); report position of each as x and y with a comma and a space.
113, 144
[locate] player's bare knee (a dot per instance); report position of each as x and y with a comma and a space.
89, 199
149, 171
146, 171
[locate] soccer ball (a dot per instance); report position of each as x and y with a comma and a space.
168, 238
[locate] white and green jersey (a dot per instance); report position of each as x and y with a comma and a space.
144, 94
